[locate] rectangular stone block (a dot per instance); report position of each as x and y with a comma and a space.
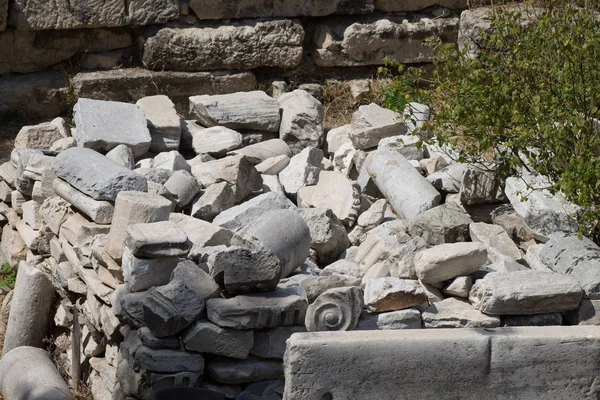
96, 175
521, 363
250, 44
346, 42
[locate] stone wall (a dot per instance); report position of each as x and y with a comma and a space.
51, 53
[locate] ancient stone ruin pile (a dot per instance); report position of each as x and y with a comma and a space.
191, 250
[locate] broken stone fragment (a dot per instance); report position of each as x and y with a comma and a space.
216, 141
403, 319
336, 309
447, 261
163, 122
258, 311
371, 123
157, 239
144, 273
392, 294
103, 125
206, 337
301, 120
173, 307
329, 237
100, 211
217, 198
455, 313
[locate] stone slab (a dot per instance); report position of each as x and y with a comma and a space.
524, 363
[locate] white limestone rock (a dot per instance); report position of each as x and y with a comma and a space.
303, 170
163, 122
447, 261
329, 238
372, 123
216, 141
301, 120
392, 294
455, 313
499, 245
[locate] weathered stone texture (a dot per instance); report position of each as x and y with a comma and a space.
348, 43
239, 45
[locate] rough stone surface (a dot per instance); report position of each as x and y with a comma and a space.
240, 45
163, 122
515, 362
273, 165
123, 155
333, 191
392, 294
216, 141
345, 42
459, 287
201, 233
205, 337
258, 311
30, 310
448, 179
455, 313
301, 120
404, 188
447, 261
144, 273
246, 213
129, 84
525, 292
372, 123
167, 360
173, 307
259, 152
19, 379
329, 238
497, 242
336, 309
97, 126
99, 211
40, 136
542, 213
157, 239
579, 259
403, 319
215, 199
271, 343
479, 186
302, 170
244, 270
238, 171
253, 369
403, 6
447, 223
36, 95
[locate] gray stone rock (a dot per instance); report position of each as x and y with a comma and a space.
271, 343
202, 233
372, 123
479, 186
588, 313
459, 287
134, 208
301, 120
336, 309
206, 9
395, 6
129, 306
333, 191
95, 175
173, 307
525, 292
241, 45
30, 310
285, 234
99, 211
317, 285
172, 161
123, 155
497, 242
238, 171
392, 294
41, 136
258, 311
144, 273
246, 213
447, 261
216, 141
157, 239
449, 178
243, 110
163, 122
336, 137
215, 199
507, 217
455, 313
18, 378
167, 360
96, 128
329, 238
302, 170
205, 337
405, 189
243, 270
579, 259
343, 42
447, 223
149, 340
259, 152
542, 212
253, 369
183, 187
403, 319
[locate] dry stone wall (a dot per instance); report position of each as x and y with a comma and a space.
152, 41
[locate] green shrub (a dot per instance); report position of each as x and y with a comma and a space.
530, 100
8, 276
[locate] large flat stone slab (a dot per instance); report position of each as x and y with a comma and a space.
346, 42
103, 125
242, 44
520, 363
96, 175
525, 292
209, 9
